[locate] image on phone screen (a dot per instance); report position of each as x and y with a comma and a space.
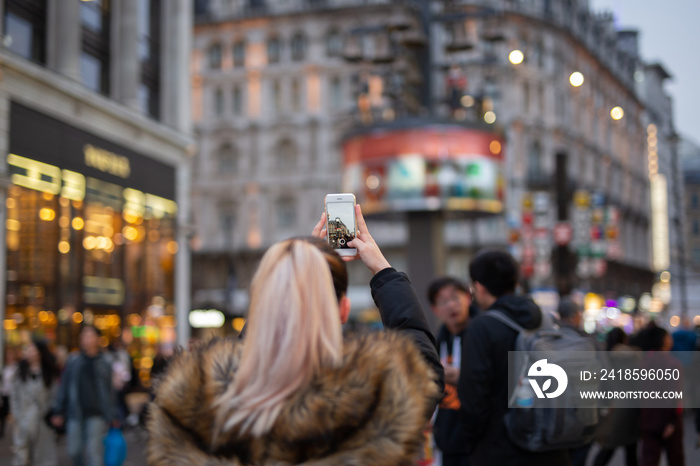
341, 224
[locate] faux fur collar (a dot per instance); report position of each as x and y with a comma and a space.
370, 411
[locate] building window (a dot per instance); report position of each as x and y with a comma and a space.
334, 44
219, 102
149, 55
228, 161
237, 101
534, 161
298, 47
239, 54
696, 256
25, 28
285, 155
274, 49
277, 95
286, 213
215, 57
227, 221
526, 97
296, 95
94, 59
336, 93
696, 228
694, 200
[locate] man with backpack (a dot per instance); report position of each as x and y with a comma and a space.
483, 383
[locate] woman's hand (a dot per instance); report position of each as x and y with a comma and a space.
367, 249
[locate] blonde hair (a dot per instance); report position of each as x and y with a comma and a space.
293, 331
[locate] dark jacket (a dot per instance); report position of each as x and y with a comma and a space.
400, 309
483, 386
371, 410
67, 402
447, 428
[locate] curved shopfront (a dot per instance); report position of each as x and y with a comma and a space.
90, 236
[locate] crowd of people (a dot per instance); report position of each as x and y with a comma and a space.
294, 389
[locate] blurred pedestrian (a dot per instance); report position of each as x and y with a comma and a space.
121, 376
32, 393
294, 391
662, 421
571, 323
619, 426
85, 400
450, 300
8, 374
483, 381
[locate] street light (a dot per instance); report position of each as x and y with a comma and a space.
617, 113
576, 78
516, 57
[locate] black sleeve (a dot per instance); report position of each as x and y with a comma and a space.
400, 309
475, 382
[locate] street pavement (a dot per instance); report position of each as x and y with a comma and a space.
136, 439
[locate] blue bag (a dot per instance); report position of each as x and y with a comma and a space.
115, 447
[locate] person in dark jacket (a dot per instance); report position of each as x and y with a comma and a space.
85, 402
450, 301
483, 382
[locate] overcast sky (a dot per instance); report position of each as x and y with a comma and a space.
670, 34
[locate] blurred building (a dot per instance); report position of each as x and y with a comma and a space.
277, 85
95, 137
689, 154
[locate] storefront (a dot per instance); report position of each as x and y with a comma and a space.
90, 237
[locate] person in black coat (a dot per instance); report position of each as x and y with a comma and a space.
483, 381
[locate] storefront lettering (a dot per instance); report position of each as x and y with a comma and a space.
106, 161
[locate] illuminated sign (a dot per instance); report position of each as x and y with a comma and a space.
103, 290
659, 223
106, 161
200, 318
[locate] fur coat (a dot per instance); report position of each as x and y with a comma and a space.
370, 411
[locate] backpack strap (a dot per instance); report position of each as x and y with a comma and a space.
500, 315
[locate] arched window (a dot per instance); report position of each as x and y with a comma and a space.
298, 47
239, 54
274, 50
227, 159
334, 44
534, 160
285, 155
215, 56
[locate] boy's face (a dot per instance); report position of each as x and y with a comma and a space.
452, 306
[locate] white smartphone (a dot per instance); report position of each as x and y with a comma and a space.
341, 224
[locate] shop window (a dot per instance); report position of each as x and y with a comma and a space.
149, 54
334, 44
298, 47
95, 56
239, 54
274, 49
215, 56
25, 28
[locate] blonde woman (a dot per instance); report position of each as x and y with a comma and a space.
295, 391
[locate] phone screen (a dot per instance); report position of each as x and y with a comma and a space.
341, 224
